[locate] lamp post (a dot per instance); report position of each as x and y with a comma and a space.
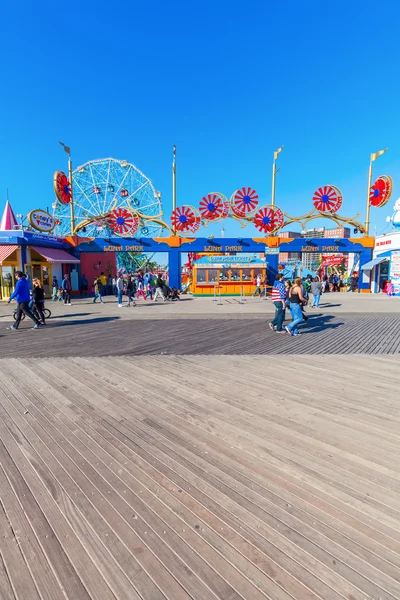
174, 183
373, 157
274, 172
71, 204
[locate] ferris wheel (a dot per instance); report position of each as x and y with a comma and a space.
111, 198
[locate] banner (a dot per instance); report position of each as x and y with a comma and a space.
395, 271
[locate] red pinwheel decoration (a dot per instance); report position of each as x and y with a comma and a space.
244, 202
381, 191
121, 221
62, 187
212, 207
184, 218
327, 199
268, 219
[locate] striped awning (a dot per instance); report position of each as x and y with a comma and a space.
56, 255
5, 252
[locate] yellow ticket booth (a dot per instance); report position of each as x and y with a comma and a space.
227, 275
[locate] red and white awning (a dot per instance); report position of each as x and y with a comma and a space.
5, 252
55, 255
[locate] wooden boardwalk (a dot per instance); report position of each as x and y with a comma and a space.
109, 335
199, 477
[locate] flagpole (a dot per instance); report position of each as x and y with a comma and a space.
368, 201
174, 184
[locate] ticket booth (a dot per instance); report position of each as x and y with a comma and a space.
229, 275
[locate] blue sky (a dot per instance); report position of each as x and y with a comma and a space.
227, 82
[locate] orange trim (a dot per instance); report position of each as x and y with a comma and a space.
174, 241
75, 240
366, 241
365, 291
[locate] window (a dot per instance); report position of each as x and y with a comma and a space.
212, 275
247, 275
224, 274
201, 275
235, 274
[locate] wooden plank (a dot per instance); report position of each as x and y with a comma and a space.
16, 571
6, 592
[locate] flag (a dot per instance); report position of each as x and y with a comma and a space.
174, 151
375, 156
277, 152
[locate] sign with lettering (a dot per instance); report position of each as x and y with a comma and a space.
229, 259
395, 271
225, 249
41, 220
272, 250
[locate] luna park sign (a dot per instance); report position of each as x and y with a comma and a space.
41, 220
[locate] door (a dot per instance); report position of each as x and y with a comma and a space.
46, 279
7, 281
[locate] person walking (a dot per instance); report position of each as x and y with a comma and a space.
316, 290
140, 288
120, 289
130, 291
38, 300
257, 291
84, 286
22, 297
103, 280
278, 298
66, 288
296, 300
97, 290
159, 289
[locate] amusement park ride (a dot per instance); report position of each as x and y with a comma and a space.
111, 203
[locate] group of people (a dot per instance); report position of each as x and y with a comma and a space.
61, 293
30, 302
294, 297
137, 285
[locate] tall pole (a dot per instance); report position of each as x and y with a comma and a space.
273, 181
368, 201
372, 158
71, 204
274, 172
174, 183
72, 195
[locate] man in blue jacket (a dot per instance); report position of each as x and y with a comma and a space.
22, 298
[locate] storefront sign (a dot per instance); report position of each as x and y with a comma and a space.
221, 249
228, 259
41, 220
123, 248
395, 271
